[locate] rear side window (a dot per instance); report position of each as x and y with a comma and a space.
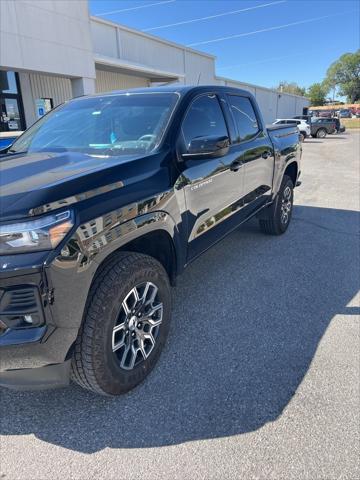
244, 116
204, 118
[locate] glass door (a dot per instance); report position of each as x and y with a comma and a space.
10, 115
11, 112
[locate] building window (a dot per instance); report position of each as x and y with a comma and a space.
8, 83
11, 109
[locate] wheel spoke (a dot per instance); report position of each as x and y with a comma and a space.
117, 328
146, 290
125, 306
152, 294
154, 322
142, 348
136, 295
129, 349
142, 336
118, 344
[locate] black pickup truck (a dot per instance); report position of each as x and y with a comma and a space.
104, 201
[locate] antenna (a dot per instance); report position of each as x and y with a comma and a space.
199, 79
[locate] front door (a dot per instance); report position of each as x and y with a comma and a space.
213, 185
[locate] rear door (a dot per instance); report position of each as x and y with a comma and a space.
256, 151
212, 185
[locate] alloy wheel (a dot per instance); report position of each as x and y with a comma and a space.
137, 328
286, 205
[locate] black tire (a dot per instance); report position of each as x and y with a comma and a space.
271, 220
321, 133
302, 137
95, 366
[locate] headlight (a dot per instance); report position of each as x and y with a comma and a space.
44, 233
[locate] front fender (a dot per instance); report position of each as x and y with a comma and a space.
71, 273
120, 235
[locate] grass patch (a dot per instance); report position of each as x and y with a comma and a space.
350, 122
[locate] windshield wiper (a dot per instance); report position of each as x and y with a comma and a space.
14, 151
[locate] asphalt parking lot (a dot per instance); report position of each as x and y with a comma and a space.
260, 377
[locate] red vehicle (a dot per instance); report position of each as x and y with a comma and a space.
325, 113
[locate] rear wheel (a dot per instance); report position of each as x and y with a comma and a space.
302, 136
125, 325
321, 133
275, 219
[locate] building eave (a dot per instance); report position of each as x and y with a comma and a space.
152, 37
125, 66
227, 79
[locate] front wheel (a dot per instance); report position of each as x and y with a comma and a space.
125, 325
275, 219
321, 133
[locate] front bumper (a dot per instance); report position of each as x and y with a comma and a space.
40, 378
38, 355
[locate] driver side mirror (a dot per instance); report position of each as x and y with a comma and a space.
207, 147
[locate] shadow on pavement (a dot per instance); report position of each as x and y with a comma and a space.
248, 317
338, 137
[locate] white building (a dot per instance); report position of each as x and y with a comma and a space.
52, 50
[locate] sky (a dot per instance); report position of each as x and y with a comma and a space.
256, 41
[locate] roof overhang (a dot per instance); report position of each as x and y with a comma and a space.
135, 69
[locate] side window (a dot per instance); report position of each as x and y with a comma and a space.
204, 118
244, 116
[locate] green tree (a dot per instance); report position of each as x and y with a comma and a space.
345, 75
317, 94
291, 87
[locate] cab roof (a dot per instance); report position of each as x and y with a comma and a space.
179, 89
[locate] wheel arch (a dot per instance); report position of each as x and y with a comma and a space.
159, 245
155, 235
291, 171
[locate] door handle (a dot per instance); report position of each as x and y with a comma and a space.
266, 154
236, 165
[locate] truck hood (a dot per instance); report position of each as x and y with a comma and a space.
30, 181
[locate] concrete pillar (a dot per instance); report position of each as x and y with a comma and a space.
27, 99
82, 86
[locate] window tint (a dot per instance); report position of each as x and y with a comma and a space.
244, 116
204, 118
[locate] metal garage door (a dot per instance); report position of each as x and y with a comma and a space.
107, 81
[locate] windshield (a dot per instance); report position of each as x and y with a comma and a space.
110, 125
